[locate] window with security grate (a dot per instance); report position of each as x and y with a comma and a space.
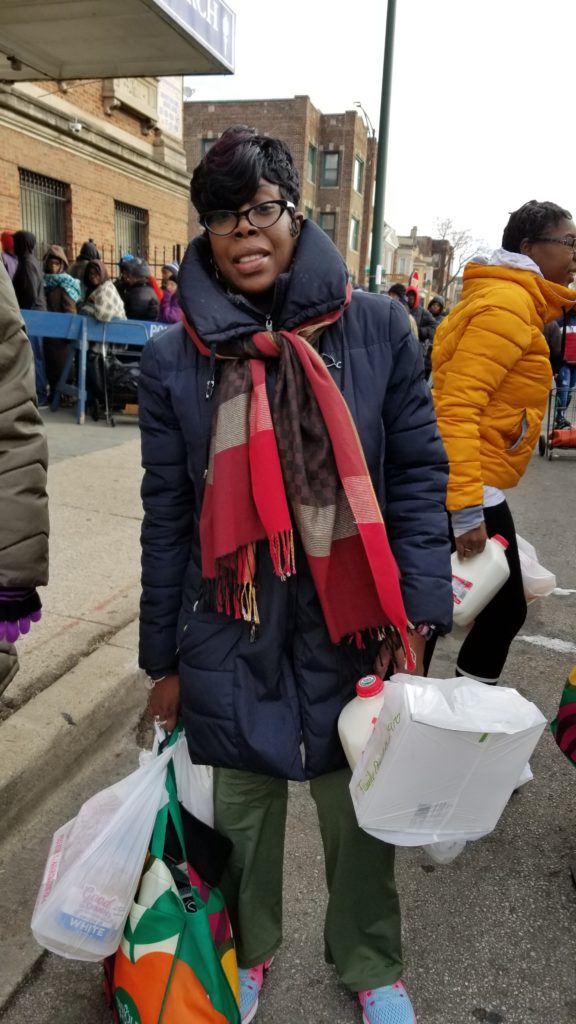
45, 205
131, 224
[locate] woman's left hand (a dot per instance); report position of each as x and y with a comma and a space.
383, 659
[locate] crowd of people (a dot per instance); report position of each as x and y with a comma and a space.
84, 287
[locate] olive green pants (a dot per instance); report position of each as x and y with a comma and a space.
362, 926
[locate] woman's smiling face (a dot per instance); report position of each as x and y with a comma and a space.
251, 259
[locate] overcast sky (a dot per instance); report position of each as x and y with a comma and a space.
481, 96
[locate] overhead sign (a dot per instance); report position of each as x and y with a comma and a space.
115, 39
210, 21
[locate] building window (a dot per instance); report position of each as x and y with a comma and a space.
131, 225
205, 145
354, 234
328, 224
45, 204
309, 213
358, 174
330, 169
312, 157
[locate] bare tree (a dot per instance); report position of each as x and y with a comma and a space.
464, 248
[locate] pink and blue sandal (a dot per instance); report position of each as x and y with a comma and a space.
251, 981
389, 1004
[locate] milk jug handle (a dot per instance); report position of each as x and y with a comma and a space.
501, 541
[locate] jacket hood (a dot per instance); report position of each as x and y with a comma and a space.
550, 299
89, 251
413, 289
56, 252
314, 285
7, 239
137, 267
24, 243
101, 268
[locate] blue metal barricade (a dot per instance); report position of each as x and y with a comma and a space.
80, 331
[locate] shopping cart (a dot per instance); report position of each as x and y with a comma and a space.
111, 380
560, 422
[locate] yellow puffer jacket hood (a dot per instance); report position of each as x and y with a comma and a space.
491, 376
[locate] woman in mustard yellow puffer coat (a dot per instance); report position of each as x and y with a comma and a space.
491, 379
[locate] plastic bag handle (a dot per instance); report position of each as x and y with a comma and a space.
172, 810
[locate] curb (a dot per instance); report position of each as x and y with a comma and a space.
40, 743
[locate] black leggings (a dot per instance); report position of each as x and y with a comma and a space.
484, 651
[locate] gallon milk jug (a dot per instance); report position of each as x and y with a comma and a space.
359, 717
476, 580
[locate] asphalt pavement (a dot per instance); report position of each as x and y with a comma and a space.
490, 938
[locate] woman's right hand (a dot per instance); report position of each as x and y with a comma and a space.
164, 702
472, 542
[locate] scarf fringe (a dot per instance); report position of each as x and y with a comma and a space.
389, 635
233, 590
282, 554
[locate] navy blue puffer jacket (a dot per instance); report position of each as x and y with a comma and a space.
271, 704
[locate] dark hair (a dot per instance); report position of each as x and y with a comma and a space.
230, 173
398, 289
531, 221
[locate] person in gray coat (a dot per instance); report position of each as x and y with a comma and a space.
24, 524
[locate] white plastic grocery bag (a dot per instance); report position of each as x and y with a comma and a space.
194, 782
443, 759
538, 581
95, 863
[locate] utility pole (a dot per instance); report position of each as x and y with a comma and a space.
378, 218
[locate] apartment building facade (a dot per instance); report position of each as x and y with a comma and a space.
335, 156
100, 159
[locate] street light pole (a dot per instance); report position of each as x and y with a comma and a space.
369, 124
378, 218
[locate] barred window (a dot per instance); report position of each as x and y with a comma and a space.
45, 205
131, 225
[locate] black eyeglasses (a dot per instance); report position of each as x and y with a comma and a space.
262, 215
570, 243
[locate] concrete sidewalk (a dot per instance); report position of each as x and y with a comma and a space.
94, 588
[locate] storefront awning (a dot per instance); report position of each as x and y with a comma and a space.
72, 39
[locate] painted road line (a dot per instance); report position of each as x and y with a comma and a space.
553, 644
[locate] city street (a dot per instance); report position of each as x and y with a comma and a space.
489, 939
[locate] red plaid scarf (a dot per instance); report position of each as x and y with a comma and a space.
304, 454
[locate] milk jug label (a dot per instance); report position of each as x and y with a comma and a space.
460, 588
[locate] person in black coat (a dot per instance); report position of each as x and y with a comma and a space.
140, 300
247, 610
28, 277
437, 308
425, 323
28, 284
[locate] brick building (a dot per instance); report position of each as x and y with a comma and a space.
100, 159
430, 258
335, 157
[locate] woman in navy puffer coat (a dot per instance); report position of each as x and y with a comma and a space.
263, 706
